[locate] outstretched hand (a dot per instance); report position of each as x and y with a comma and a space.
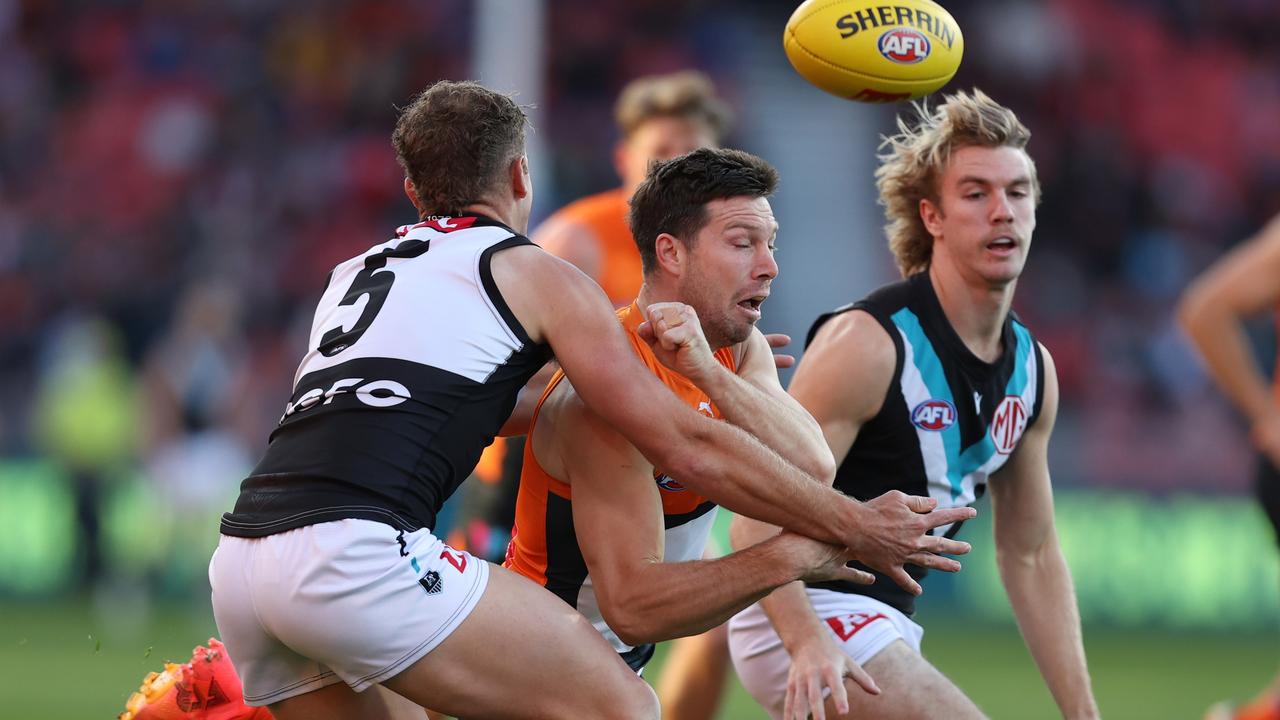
893, 532
817, 665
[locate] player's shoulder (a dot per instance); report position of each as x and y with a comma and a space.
856, 334
538, 269
872, 316
570, 421
895, 296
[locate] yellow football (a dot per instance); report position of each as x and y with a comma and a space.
874, 51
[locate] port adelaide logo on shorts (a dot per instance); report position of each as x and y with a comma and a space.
934, 415
905, 46
431, 582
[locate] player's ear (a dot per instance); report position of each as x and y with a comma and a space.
413, 196
521, 181
931, 216
671, 254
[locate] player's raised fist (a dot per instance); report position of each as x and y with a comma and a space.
673, 331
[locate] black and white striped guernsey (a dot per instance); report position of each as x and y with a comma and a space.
413, 364
949, 419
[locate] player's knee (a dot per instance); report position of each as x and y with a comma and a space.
644, 702
631, 699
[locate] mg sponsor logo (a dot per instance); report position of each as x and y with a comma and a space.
1008, 424
934, 415
904, 46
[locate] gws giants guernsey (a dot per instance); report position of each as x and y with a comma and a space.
544, 545
414, 363
949, 419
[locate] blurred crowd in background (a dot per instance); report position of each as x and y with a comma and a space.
177, 178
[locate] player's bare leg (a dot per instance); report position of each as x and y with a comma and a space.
339, 700
910, 689
693, 677
523, 653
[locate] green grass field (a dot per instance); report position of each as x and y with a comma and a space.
64, 661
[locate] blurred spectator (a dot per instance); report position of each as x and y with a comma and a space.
86, 423
194, 387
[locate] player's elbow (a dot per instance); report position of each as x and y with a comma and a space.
631, 634
1192, 308
630, 622
1025, 553
1203, 306
821, 464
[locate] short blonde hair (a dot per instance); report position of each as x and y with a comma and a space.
686, 94
909, 172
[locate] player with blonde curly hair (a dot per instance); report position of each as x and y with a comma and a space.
930, 386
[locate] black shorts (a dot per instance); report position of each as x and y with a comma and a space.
1268, 487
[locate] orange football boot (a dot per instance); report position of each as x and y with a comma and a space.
205, 688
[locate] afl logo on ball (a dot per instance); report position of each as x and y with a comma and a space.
1008, 424
904, 46
935, 415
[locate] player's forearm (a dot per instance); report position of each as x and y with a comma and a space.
1221, 340
732, 468
789, 430
656, 603
787, 607
1043, 600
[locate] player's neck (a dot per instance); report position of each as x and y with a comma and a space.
508, 215
976, 311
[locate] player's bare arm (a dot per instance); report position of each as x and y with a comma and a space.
842, 395
571, 241
755, 401
1032, 566
716, 459
1212, 310
618, 519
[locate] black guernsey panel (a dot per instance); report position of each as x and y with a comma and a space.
948, 421
415, 362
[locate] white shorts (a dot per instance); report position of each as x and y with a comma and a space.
351, 600
862, 626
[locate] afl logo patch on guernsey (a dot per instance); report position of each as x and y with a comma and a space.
905, 46
1008, 424
666, 482
935, 415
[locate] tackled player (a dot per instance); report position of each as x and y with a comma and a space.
328, 580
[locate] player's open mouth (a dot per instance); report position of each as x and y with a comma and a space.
1003, 245
752, 305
